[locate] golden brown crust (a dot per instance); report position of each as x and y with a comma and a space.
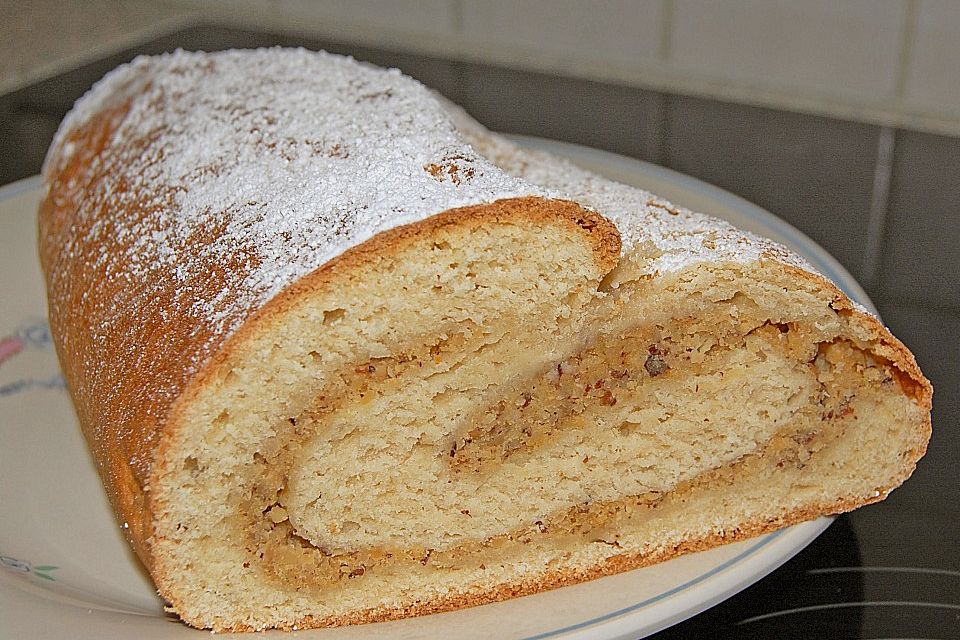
67, 182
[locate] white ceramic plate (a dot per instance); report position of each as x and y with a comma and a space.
66, 572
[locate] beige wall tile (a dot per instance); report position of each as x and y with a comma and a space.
849, 48
45, 36
322, 16
933, 74
422, 16
621, 31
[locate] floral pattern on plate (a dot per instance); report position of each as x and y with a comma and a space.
28, 568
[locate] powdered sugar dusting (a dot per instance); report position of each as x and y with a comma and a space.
269, 163
681, 237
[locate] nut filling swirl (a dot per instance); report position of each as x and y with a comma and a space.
304, 515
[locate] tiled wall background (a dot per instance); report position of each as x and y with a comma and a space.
889, 62
894, 62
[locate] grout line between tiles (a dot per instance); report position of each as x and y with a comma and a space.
457, 6
660, 136
666, 31
665, 124
907, 37
879, 201
882, 300
458, 69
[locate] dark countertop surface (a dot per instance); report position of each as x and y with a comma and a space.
885, 202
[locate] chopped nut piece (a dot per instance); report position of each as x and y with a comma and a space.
655, 365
